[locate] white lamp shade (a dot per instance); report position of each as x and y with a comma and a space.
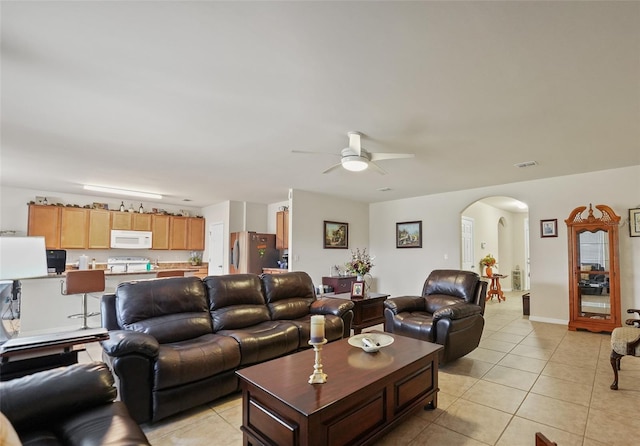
22, 257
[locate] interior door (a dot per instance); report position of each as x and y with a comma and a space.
216, 249
468, 263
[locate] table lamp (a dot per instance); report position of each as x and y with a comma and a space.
21, 258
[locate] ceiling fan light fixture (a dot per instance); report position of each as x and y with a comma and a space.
355, 163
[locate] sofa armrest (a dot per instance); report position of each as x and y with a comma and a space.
457, 311
337, 307
405, 303
125, 342
43, 397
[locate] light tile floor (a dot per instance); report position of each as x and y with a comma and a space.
524, 377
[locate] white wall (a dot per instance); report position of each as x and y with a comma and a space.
307, 213
403, 271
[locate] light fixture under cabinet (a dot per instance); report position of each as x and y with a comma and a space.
129, 193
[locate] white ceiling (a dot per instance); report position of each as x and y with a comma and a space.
206, 100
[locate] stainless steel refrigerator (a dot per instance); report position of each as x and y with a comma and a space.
250, 252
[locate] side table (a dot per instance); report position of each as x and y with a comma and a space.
367, 311
494, 288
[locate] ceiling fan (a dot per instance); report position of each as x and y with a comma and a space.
355, 158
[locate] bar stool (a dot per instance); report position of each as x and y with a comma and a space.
83, 282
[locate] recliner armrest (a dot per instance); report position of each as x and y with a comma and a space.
125, 342
337, 307
42, 397
457, 311
405, 303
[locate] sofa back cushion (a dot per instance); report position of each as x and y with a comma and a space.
288, 295
452, 286
235, 301
170, 309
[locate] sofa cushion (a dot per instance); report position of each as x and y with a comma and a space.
194, 359
235, 301
437, 301
415, 324
288, 295
264, 341
171, 309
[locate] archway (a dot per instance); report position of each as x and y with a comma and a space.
498, 226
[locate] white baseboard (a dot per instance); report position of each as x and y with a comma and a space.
549, 320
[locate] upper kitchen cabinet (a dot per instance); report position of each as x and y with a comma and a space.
179, 233
99, 229
74, 228
160, 231
131, 221
196, 231
45, 221
121, 220
282, 230
141, 222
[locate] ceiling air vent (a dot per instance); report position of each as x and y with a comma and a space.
526, 164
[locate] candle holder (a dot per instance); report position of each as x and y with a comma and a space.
318, 376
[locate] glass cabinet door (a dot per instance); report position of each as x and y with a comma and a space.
593, 277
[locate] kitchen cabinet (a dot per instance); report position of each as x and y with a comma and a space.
196, 231
74, 228
121, 220
178, 233
141, 222
99, 229
594, 272
160, 231
45, 221
282, 230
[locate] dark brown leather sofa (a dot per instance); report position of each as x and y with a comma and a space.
449, 312
71, 405
175, 343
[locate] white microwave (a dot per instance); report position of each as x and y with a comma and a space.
130, 239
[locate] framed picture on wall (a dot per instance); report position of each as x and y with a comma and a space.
336, 235
634, 222
409, 234
549, 228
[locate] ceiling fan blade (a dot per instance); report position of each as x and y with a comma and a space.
334, 167
306, 152
377, 168
354, 142
389, 156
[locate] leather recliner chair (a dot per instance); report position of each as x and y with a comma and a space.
71, 405
449, 312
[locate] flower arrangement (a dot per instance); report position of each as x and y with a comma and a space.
361, 262
488, 260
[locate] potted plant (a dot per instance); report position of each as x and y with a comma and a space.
195, 258
488, 262
360, 264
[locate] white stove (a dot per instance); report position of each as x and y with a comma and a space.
127, 264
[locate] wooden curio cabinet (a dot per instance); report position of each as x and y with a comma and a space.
594, 275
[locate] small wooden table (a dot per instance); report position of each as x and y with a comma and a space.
367, 311
494, 288
365, 396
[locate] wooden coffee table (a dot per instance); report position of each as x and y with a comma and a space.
365, 396
367, 311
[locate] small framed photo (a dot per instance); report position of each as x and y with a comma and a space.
549, 228
409, 234
336, 235
97, 205
357, 289
634, 222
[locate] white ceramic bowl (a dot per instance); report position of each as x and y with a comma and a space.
378, 340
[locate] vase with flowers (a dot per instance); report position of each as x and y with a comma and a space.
488, 262
360, 264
